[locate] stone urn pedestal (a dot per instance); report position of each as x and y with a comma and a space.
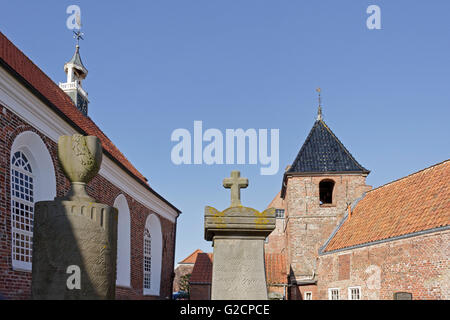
75, 237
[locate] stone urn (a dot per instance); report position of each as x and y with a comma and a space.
80, 158
75, 236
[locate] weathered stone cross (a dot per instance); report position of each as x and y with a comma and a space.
235, 183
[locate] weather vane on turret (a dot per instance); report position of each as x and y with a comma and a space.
319, 112
78, 35
75, 70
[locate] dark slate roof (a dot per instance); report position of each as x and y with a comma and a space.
323, 152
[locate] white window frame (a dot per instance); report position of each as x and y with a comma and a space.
310, 295
147, 249
330, 293
153, 226
23, 214
44, 180
350, 296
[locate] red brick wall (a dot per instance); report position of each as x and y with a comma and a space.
344, 267
200, 292
307, 288
419, 265
15, 284
277, 238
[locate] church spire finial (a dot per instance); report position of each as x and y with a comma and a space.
78, 35
319, 111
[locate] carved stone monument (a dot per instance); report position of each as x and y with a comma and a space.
238, 235
75, 237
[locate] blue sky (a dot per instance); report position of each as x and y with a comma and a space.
155, 66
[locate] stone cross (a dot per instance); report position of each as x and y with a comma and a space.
237, 235
235, 183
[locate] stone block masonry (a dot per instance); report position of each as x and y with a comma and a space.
309, 223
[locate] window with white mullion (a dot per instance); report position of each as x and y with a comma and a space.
147, 259
333, 294
22, 210
354, 293
279, 213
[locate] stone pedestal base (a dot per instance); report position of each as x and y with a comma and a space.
238, 235
71, 234
238, 269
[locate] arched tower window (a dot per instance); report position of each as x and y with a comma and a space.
22, 210
326, 191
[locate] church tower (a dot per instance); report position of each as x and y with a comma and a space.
76, 73
319, 186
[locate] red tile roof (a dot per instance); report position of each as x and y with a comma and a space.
202, 272
275, 269
192, 257
418, 202
17, 63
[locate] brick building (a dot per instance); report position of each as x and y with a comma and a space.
184, 267
34, 112
201, 277
343, 240
396, 239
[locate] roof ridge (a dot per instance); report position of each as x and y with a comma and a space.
408, 176
304, 143
24, 70
2, 35
322, 151
342, 145
412, 205
197, 251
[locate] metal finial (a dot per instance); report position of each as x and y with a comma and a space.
319, 112
78, 35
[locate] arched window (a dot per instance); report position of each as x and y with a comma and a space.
326, 191
152, 255
147, 260
22, 207
123, 242
32, 179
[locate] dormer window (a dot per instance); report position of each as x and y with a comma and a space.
326, 191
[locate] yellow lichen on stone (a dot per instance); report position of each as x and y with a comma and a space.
261, 219
218, 217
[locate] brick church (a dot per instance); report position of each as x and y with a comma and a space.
337, 238
34, 113
341, 239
